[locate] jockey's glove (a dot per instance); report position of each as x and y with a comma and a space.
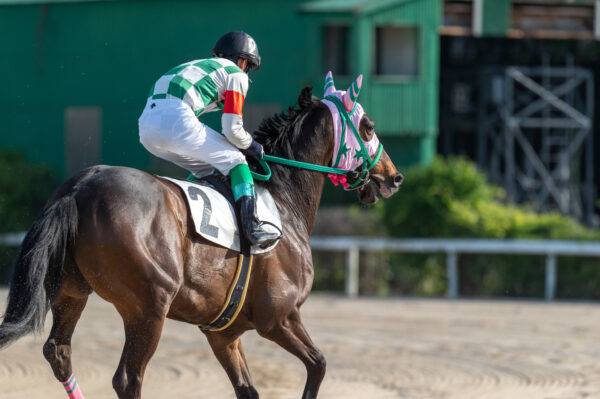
254, 151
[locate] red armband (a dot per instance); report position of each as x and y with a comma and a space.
234, 102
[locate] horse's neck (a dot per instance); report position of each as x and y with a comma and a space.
304, 193
302, 201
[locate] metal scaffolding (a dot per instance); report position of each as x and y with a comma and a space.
535, 137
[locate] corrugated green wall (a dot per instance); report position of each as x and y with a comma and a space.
408, 107
404, 109
108, 54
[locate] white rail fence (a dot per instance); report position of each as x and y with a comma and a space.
12, 239
451, 247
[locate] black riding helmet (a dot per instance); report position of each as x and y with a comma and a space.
238, 44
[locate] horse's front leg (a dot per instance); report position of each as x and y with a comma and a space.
291, 335
228, 350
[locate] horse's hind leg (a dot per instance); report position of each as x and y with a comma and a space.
66, 310
142, 333
57, 349
229, 352
291, 335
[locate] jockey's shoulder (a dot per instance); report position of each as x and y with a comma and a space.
234, 73
223, 61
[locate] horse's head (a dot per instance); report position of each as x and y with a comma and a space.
350, 120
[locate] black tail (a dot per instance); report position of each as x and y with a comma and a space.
39, 265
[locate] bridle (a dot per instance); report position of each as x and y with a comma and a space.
359, 175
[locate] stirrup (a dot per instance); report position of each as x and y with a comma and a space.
262, 223
267, 242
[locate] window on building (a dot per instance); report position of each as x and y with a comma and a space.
397, 51
335, 49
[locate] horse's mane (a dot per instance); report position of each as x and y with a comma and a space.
281, 135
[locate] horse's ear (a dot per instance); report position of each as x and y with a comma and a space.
351, 95
329, 85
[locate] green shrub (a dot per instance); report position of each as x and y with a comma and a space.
450, 198
24, 189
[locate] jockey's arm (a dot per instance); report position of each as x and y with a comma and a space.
231, 121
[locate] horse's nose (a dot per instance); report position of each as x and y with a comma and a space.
398, 180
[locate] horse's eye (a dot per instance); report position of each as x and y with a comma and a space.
366, 128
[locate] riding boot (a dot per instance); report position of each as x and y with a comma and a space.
242, 185
254, 229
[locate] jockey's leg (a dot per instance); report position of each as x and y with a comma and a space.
171, 131
242, 185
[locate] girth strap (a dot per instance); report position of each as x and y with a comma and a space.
235, 297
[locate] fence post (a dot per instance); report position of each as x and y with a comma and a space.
452, 274
550, 276
352, 271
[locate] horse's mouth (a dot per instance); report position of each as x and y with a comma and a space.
384, 189
368, 195
376, 185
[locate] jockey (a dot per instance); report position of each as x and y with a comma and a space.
170, 129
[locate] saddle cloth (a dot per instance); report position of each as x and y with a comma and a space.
214, 216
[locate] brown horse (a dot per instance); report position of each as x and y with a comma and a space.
127, 235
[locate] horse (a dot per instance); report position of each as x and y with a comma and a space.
127, 236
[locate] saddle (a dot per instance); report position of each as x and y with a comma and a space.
214, 213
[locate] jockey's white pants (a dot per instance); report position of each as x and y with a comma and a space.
170, 130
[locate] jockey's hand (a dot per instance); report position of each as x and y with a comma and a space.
254, 151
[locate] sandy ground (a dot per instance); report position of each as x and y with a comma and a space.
375, 348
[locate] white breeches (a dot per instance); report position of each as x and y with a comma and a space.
170, 130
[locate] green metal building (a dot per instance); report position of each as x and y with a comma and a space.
395, 45
76, 73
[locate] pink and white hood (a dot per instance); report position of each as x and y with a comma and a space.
350, 157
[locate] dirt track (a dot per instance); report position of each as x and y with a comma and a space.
375, 349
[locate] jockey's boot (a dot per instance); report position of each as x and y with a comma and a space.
257, 232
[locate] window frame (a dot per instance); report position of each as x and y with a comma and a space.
336, 24
398, 78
